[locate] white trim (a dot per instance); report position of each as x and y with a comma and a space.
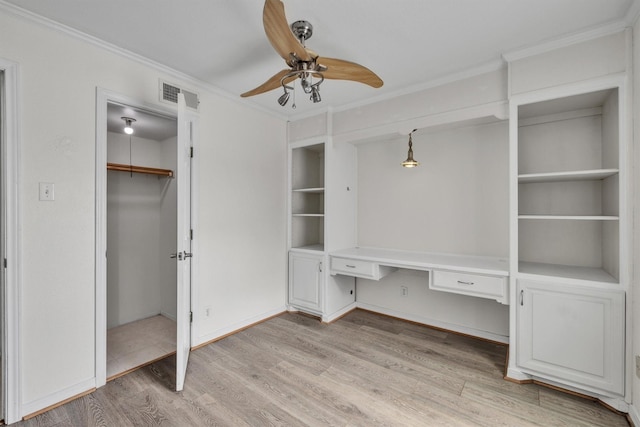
635, 417
195, 242
631, 17
238, 326
580, 37
477, 114
57, 397
334, 316
79, 35
435, 323
13, 296
102, 98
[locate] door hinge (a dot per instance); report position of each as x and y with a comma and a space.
191, 234
5, 263
191, 317
191, 152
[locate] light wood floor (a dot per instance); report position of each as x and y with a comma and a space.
363, 370
137, 343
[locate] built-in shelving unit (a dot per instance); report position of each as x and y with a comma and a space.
307, 197
569, 225
568, 176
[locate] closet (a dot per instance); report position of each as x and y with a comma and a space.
141, 235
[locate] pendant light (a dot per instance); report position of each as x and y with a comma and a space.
127, 128
410, 162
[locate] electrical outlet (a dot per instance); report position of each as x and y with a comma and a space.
404, 291
207, 311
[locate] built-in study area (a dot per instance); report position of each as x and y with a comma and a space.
512, 227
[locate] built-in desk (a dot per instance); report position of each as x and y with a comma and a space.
483, 277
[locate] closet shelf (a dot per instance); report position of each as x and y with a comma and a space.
307, 214
139, 169
309, 190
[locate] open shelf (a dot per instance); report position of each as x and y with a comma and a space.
315, 190
566, 271
581, 175
571, 217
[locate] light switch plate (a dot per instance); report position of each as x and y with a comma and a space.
46, 191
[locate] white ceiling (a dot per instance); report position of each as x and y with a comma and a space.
147, 124
408, 43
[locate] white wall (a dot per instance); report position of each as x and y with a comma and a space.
241, 210
456, 201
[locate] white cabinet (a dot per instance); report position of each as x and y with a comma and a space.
306, 281
572, 333
570, 230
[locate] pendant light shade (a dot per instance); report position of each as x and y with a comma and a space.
410, 162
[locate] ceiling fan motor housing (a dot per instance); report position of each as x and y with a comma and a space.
303, 30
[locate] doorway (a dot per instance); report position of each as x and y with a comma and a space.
141, 235
10, 266
143, 189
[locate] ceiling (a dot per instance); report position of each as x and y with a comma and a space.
148, 125
408, 43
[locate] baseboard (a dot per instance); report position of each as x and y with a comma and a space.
340, 313
237, 327
435, 323
36, 407
168, 316
634, 417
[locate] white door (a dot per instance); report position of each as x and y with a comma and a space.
183, 248
572, 334
305, 281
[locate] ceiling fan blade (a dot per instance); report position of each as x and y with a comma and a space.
272, 83
279, 33
338, 69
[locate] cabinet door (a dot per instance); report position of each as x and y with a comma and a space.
305, 281
572, 334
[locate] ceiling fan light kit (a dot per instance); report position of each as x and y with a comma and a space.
304, 64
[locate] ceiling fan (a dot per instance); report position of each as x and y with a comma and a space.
304, 64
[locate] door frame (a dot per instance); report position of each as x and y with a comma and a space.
12, 244
103, 97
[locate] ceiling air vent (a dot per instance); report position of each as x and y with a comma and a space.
169, 93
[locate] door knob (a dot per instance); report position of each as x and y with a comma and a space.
188, 254
173, 256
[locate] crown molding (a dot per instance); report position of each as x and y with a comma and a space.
487, 67
572, 39
127, 54
633, 13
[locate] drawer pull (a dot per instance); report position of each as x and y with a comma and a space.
350, 266
460, 282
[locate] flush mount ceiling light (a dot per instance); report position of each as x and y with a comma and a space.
127, 128
410, 162
304, 64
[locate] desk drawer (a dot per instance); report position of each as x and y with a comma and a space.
359, 268
493, 287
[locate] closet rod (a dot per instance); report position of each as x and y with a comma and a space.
139, 169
